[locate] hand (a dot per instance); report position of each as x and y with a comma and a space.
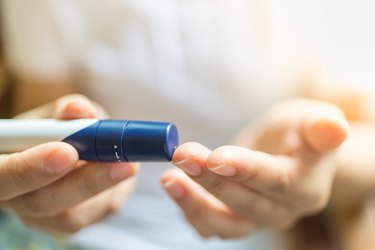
49, 188
234, 191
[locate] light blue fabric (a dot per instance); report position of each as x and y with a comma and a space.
16, 236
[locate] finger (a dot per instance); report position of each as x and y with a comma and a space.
76, 187
86, 213
194, 152
251, 168
206, 213
282, 179
74, 107
240, 165
35, 168
248, 188
325, 127
299, 128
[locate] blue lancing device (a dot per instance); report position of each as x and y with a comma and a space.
95, 140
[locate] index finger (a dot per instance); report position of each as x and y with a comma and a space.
251, 168
239, 165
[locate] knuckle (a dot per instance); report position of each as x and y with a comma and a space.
86, 186
225, 236
265, 214
70, 222
252, 207
203, 233
238, 233
247, 230
113, 207
220, 151
319, 205
202, 230
35, 206
243, 229
248, 210
286, 223
221, 154
316, 203
280, 183
214, 185
251, 174
194, 212
237, 228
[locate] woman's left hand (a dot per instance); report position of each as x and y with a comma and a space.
281, 171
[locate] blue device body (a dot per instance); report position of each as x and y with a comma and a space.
125, 141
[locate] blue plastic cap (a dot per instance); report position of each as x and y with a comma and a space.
123, 140
149, 141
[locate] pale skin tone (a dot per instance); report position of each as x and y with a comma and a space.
250, 189
35, 182
282, 168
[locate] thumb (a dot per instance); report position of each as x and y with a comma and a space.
34, 168
294, 127
325, 127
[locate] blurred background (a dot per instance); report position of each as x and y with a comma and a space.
201, 63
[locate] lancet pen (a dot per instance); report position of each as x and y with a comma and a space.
95, 140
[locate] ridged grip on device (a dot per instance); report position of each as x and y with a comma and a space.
122, 140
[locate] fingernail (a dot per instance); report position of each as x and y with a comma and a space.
190, 167
118, 171
174, 189
224, 170
60, 160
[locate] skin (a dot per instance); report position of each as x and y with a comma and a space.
302, 138
281, 171
288, 162
34, 183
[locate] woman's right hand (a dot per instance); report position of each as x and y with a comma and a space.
49, 188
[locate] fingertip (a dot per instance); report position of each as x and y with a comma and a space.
59, 157
189, 150
73, 107
69, 150
191, 157
326, 132
169, 174
170, 183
